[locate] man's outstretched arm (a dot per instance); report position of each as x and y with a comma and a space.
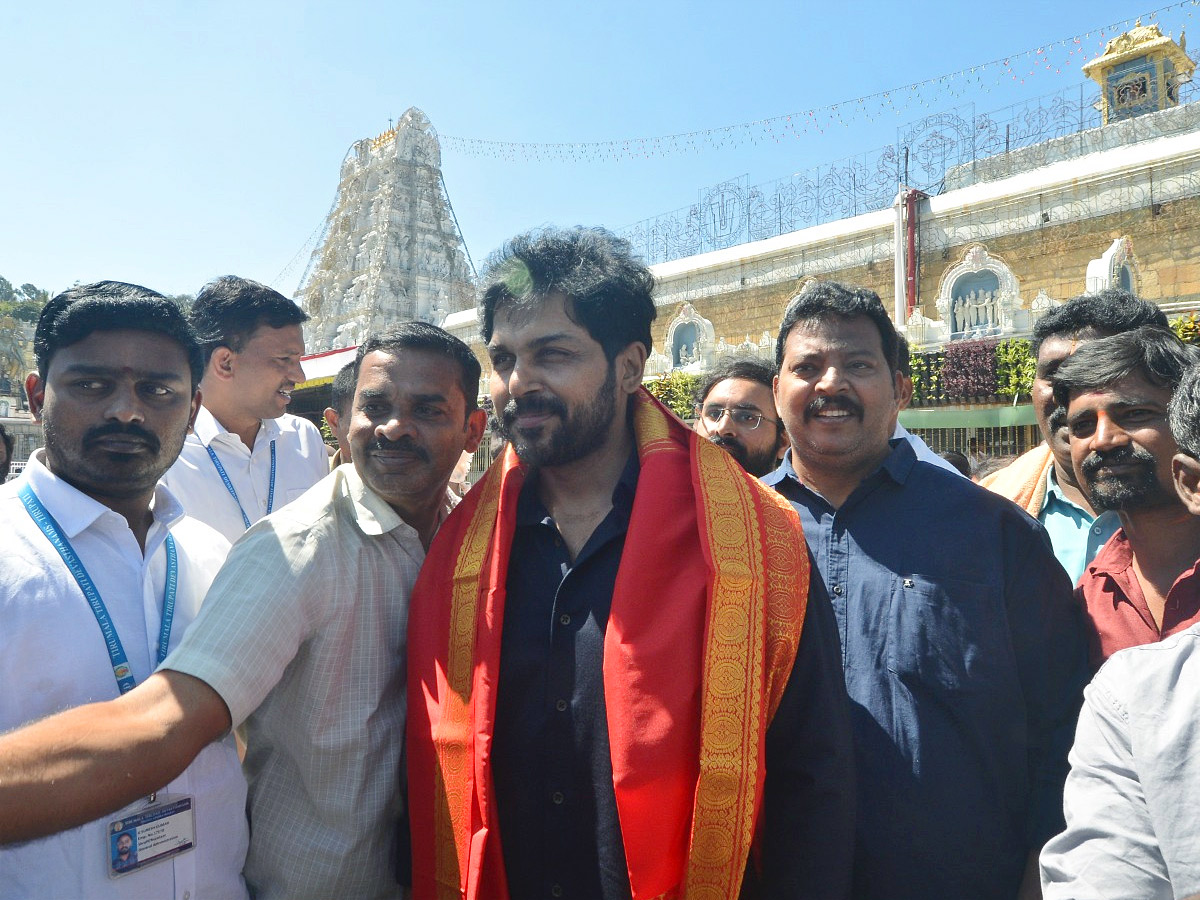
90, 761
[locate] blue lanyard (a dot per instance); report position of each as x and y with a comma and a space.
116, 652
212, 454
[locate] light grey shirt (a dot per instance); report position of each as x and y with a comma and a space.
302, 635
1132, 827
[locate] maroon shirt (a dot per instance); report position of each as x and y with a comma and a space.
1116, 606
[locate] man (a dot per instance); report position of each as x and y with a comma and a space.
1131, 831
126, 855
1185, 428
737, 413
101, 574
301, 640
964, 654
245, 457
1042, 480
614, 687
337, 416
1143, 584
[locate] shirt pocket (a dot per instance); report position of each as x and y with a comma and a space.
949, 634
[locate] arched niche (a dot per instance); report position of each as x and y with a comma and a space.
1116, 268
979, 296
690, 338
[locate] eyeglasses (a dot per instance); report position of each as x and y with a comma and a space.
742, 418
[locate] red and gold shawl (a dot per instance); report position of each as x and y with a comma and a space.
706, 616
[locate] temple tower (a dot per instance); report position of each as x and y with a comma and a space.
391, 250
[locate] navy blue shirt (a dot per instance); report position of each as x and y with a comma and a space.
551, 766
965, 659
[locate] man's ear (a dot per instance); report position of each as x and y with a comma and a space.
904, 388
476, 425
1186, 473
630, 365
197, 399
331, 419
220, 363
35, 391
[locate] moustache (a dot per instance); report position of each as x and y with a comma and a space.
823, 404
404, 445
116, 428
534, 405
1097, 459
722, 441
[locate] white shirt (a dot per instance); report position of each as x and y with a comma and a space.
924, 453
55, 658
1130, 799
303, 636
301, 461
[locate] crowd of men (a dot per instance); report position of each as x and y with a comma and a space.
791, 653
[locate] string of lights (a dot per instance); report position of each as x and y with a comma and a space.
1055, 58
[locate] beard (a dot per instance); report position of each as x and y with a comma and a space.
578, 433
756, 463
98, 473
1135, 489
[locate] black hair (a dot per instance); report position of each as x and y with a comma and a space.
1185, 412
228, 311
610, 290
958, 460
111, 306
343, 388
8, 452
904, 360
1110, 311
746, 367
1151, 351
822, 299
430, 338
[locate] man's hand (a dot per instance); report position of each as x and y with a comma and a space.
84, 763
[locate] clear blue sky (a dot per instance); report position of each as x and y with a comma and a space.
167, 142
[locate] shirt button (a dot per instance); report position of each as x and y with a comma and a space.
561, 705
1096, 530
564, 619
557, 798
837, 589
556, 890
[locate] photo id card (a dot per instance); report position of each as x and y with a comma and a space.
151, 834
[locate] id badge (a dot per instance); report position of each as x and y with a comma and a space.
150, 834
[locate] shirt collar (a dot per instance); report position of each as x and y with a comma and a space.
372, 514
1114, 557
75, 511
897, 465
1054, 492
208, 429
